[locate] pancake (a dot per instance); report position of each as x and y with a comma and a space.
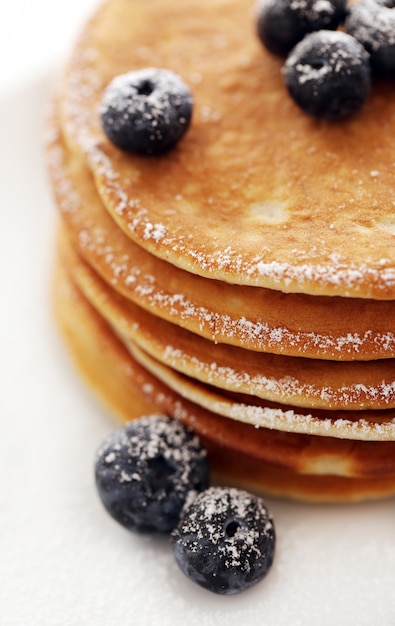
237, 451
257, 193
375, 425
244, 282
252, 318
297, 381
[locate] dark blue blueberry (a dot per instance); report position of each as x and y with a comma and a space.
328, 74
225, 540
372, 22
145, 471
283, 23
147, 111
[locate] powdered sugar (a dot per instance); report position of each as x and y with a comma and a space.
150, 438
335, 52
285, 389
372, 23
358, 425
157, 232
313, 9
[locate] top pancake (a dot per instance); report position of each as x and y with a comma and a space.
263, 320
257, 193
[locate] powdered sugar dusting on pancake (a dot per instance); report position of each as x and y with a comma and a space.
118, 265
332, 201
356, 425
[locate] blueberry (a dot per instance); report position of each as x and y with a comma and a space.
372, 22
225, 540
282, 24
328, 74
145, 471
147, 111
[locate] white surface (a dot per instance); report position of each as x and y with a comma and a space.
36, 32
63, 561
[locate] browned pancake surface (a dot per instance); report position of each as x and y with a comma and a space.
251, 317
294, 381
307, 467
257, 192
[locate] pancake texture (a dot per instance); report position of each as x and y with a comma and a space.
368, 384
254, 318
255, 203
244, 282
267, 460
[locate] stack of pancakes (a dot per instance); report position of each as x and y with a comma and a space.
243, 283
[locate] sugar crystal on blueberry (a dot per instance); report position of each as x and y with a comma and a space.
328, 74
372, 23
146, 111
225, 540
281, 24
145, 471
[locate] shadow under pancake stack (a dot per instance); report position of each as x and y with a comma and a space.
244, 282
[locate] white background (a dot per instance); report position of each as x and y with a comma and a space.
63, 561
35, 34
